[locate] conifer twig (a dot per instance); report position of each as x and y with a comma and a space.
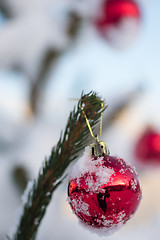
49, 60
5, 10
50, 176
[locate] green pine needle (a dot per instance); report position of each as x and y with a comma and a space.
71, 142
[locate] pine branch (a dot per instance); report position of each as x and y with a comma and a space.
49, 60
71, 142
4, 8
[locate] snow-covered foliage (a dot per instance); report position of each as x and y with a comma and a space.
34, 27
39, 26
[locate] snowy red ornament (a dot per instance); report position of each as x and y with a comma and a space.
104, 192
118, 21
147, 150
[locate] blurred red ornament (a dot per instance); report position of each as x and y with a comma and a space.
104, 192
118, 21
147, 149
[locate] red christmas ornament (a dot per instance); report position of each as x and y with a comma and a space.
104, 192
147, 150
118, 21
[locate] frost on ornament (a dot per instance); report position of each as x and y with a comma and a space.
104, 192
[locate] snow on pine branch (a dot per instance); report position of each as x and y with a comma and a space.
38, 25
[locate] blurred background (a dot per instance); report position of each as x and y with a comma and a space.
51, 50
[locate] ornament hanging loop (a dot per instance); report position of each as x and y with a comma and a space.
101, 121
98, 148
96, 138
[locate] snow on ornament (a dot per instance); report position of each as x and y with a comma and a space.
147, 149
118, 21
104, 191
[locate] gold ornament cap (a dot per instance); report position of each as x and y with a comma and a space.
98, 149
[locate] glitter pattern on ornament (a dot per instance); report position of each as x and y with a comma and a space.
104, 192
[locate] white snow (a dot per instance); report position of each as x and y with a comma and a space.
80, 206
133, 184
86, 165
123, 34
24, 197
39, 26
103, 232
36, 32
